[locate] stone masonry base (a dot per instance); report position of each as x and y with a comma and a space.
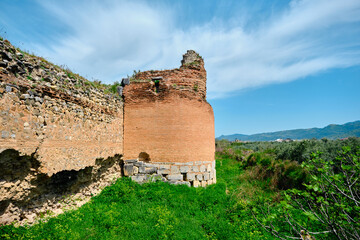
191, 173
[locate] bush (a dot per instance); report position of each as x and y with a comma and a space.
330, 202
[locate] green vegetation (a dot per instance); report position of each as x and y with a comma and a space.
256, 192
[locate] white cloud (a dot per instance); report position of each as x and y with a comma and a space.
108, 41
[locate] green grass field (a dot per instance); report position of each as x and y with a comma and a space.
127, 210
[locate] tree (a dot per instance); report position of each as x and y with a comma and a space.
329, 207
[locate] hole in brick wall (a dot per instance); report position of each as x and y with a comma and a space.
143, 156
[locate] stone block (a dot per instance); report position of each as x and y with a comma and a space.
150, 165
206, 176
128, 169
163, 171
196, 183
175, 177
203, 183
195, 169
202, 168
138, 178
135, 170
139, 164
184, 169
142, 169
130, 161
190, 176
208, 168
175, 170
210, 182
164, 167
150, 170
211, 174
199, 177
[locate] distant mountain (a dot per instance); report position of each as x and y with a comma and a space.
332, 131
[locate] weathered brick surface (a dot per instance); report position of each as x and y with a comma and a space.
53, 115
174, 130
190, 76
172, 124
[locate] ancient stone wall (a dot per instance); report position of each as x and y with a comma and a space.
51, 113
59, 134
64, 135
195, 174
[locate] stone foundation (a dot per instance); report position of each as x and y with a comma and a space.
194, 174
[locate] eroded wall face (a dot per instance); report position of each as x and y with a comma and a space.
172, 130
62, 135
59, 135
192, 78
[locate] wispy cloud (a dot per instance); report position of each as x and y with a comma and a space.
109, 40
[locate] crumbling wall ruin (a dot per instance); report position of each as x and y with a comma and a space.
173, 126
62, 135
191, 76
59, 134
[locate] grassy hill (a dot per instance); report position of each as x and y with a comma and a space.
332, 131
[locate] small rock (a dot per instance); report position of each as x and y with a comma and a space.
8, 89
24, 96
3, 64
5, 134
26, 124
6, 56
38, 99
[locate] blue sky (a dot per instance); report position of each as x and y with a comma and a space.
272, 65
